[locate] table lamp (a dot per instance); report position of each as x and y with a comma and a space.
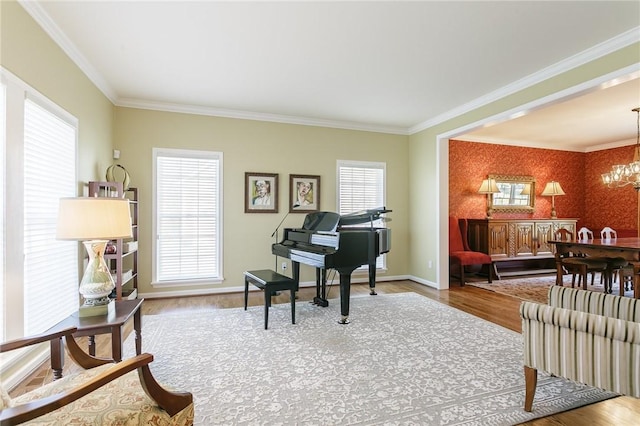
489, 187
552, 189
94, 221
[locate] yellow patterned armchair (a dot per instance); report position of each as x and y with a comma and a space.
104, 394
584, 336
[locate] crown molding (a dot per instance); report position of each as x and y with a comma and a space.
44, 20
616, 43
39, 15
539, 145
257, 116
36, 11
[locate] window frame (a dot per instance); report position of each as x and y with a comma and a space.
156, 281
17, 94
381, 261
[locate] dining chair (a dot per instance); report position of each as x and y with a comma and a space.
615, 264
608, 233
585, 234
627, 276
580, 266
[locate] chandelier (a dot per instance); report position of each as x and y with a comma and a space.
629, 174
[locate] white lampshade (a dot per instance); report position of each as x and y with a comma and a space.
488, 186
93, 218
553, 188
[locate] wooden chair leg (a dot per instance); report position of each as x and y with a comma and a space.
584, 276
531, 382
461, 275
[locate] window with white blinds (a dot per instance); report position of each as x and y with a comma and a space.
50, 266
361, 186
188, 215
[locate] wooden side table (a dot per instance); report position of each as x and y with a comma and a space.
100, 324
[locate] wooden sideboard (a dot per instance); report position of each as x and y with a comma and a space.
518, 246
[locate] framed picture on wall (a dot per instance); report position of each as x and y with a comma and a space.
304, 193
260, 192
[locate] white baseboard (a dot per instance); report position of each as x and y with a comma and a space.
356, 279
22, 363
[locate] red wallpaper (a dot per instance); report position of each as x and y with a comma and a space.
614, 207
586, 199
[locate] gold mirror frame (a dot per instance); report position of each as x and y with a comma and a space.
511, 199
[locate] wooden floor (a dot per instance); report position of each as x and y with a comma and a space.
494, 307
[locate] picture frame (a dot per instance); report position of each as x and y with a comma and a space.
260, 192
304, 193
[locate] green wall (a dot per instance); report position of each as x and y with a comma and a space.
30, 54
263, 147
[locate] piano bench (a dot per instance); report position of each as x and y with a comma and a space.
270, 282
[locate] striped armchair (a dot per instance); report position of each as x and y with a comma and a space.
584, 336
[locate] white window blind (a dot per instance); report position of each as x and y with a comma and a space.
50, 266
361, 186
188, 216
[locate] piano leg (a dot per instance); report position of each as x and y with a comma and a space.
295, 273
321, 288
345, 294
372, 279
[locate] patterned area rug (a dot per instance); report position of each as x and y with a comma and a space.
536, 288
404, 359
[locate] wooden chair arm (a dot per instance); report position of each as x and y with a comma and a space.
33, 340
82, 358
171, 402
34, 409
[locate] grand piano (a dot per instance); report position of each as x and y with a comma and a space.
330, 241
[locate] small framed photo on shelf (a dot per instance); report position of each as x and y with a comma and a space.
260, 192
304, 193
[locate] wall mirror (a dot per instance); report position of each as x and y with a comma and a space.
517, 194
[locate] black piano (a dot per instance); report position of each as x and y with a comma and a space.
330, 241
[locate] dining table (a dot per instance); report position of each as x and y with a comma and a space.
627, 248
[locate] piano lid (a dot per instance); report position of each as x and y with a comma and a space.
363, 216
321, 221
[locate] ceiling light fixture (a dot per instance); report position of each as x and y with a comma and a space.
629, 174
621, 175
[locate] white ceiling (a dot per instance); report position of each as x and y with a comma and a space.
600, 119
385, 66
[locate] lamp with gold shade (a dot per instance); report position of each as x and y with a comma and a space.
489, 187
552, 189
94, 221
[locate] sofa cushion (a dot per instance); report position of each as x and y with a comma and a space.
470, 257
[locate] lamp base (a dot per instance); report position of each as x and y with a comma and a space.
97, 310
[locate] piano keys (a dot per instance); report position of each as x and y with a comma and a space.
330, 241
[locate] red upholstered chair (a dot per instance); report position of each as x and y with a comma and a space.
459, 253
